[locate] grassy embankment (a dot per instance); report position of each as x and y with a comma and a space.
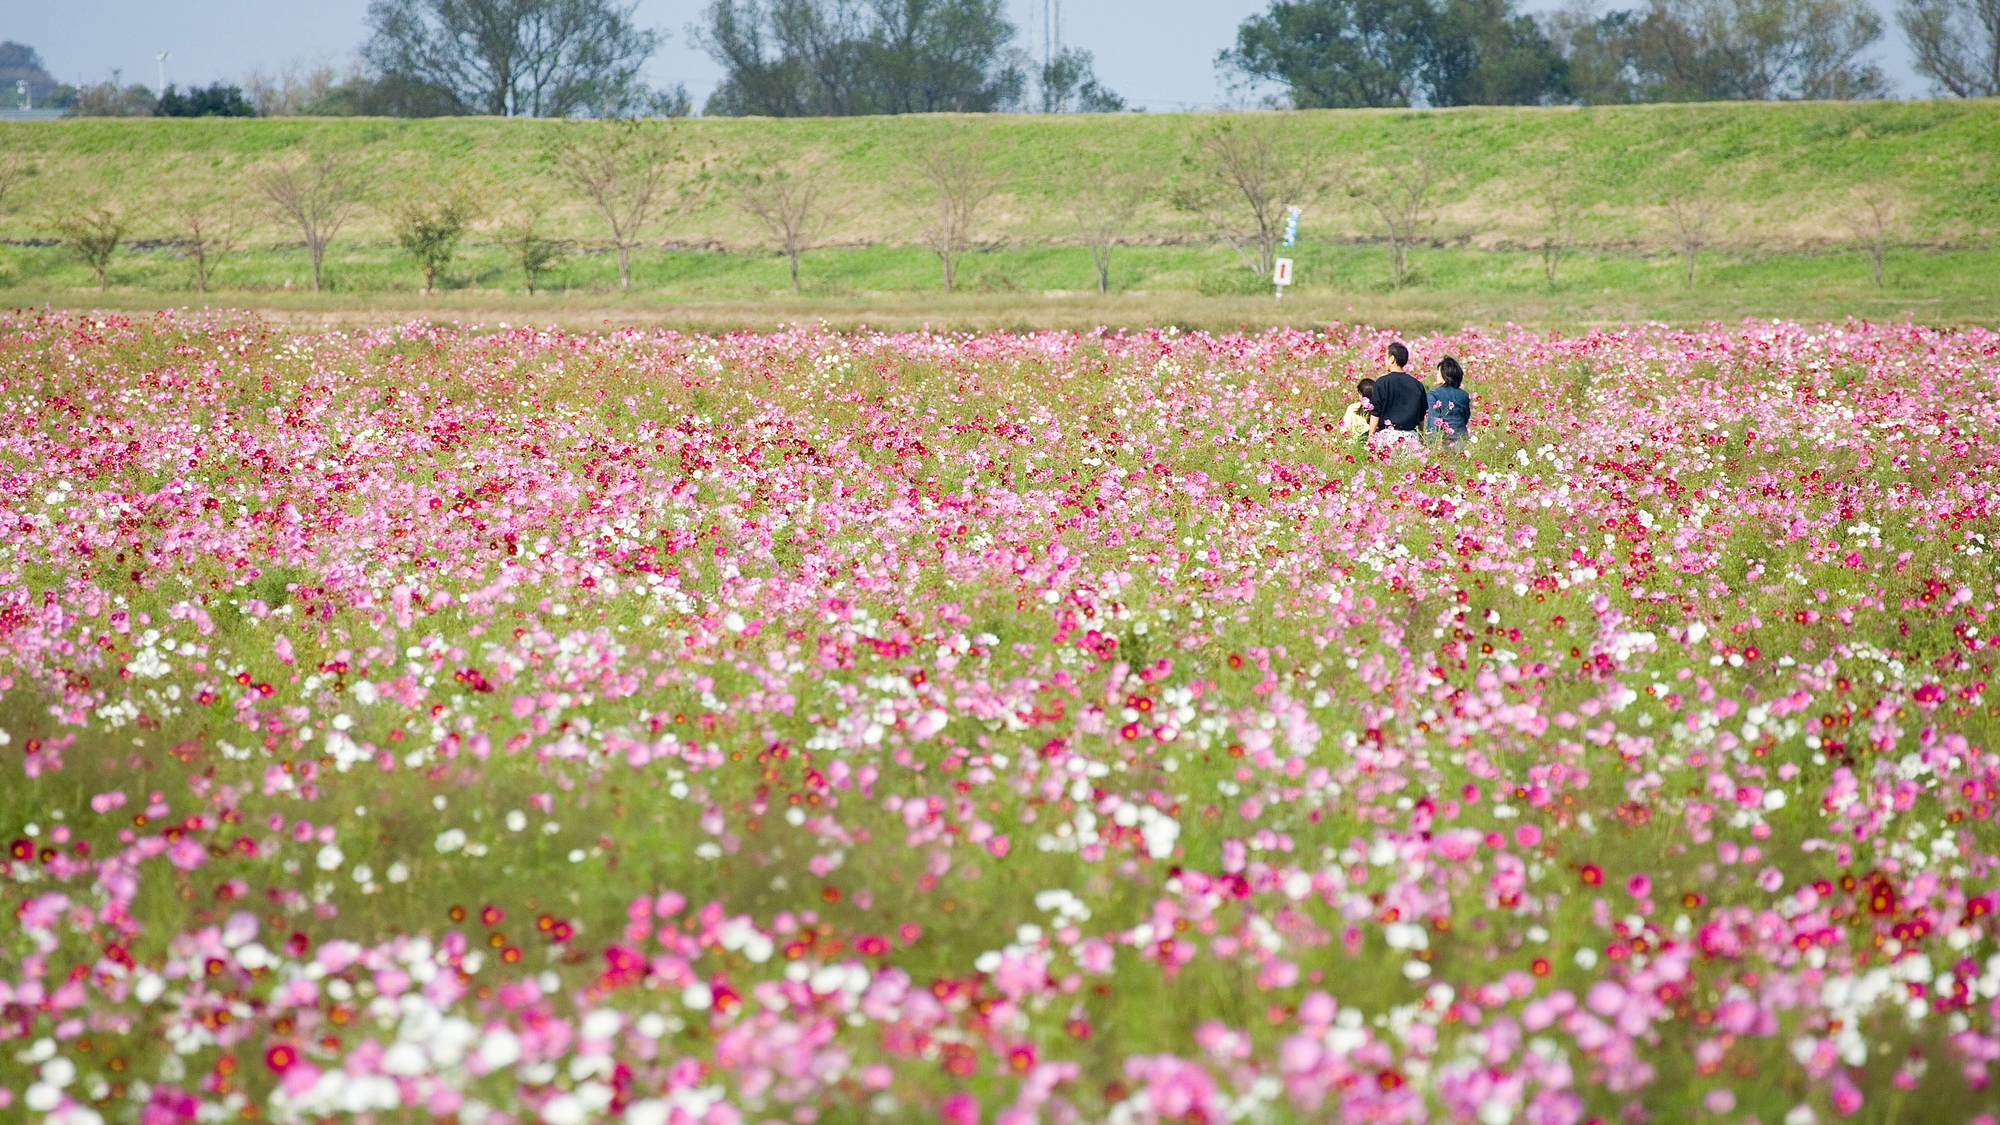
1780, 176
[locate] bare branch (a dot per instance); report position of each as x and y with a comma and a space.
960, 184
1559, 221
206, 226
1691, 211
1400, 191
791, 206
1104, 203
1873, 215
1243, 176
632, 173
317, 196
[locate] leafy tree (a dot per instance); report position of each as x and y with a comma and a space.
429, 226
1484, 53
1756, 50
217, 100
1600, 53
515, 58
1956, 43
796, 58
92, 232
1334, 54
528, 241
1711, 50
1068, 84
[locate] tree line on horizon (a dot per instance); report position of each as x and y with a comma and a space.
800, 58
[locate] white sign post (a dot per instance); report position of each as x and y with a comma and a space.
1282, 276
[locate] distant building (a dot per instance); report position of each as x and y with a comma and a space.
30, 114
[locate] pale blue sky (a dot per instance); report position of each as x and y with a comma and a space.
1158, 53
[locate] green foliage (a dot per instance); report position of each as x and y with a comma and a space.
528, 242
92, 233
216, 100
801, 58
429, 228
1350, 53
1711, 50
516, 58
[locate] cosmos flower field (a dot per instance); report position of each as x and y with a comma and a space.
505, 727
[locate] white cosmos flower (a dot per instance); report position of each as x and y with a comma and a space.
450, 840
564, 1109
516, 820
500, 1048
58, 1072
330, 858
651, 1111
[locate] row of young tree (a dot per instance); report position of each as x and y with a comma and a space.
1238, 178
1356, 53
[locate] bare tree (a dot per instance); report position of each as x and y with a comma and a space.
1241, 177
13, 167
525, 234
206, 227
1399, 190
92, 232
296, 86
632, 173
1691, 213
1103, 202
318, 196
1559, 218
1873, 215
791, 207
960, 185
1956, 43
429, 225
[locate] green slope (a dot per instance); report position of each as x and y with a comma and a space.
1781, 172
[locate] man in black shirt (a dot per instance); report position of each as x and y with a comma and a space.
1400, 402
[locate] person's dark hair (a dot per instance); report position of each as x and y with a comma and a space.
1451, 372
1400, 354
1366, 387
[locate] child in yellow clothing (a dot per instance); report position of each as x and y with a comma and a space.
1354, 424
